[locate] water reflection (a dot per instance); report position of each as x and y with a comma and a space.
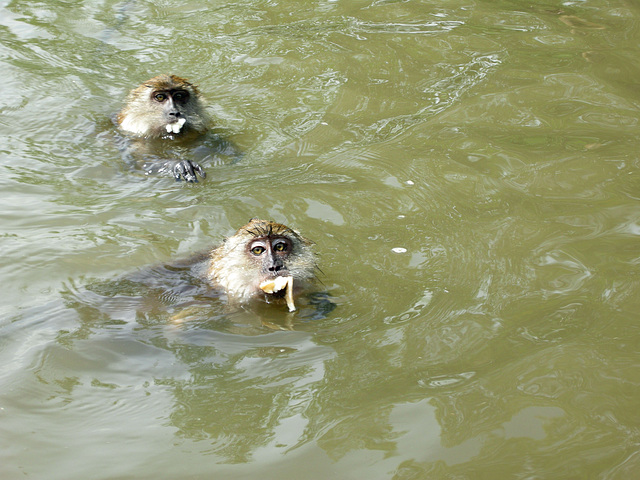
233, 378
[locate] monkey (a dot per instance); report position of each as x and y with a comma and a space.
224, 281
263, 260
167, 111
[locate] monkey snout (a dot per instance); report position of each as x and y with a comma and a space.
276, 267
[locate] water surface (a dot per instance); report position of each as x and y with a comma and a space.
468, 171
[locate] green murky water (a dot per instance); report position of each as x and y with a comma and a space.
468, 171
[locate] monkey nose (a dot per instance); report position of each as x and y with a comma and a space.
275, 268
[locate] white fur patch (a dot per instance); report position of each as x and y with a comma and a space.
130, 125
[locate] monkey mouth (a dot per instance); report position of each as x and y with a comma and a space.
281, 286
176, 126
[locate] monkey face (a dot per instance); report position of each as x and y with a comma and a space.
269, 255
163, 106
173, 106
259, 252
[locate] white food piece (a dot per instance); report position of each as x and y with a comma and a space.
279, 283
288, 295
177, 126
274, 285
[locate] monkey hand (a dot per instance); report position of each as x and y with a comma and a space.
180, 169
188, 170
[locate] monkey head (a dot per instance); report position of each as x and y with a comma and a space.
163, 106
261, 253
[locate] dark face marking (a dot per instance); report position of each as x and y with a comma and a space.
172, 101
270, 253
177, 96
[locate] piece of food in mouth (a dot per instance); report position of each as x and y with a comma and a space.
280, 283
175, 127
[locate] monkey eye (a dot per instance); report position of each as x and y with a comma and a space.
160, 97
258, 250
180, 96
280, 247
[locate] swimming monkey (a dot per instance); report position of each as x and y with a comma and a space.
165, 108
